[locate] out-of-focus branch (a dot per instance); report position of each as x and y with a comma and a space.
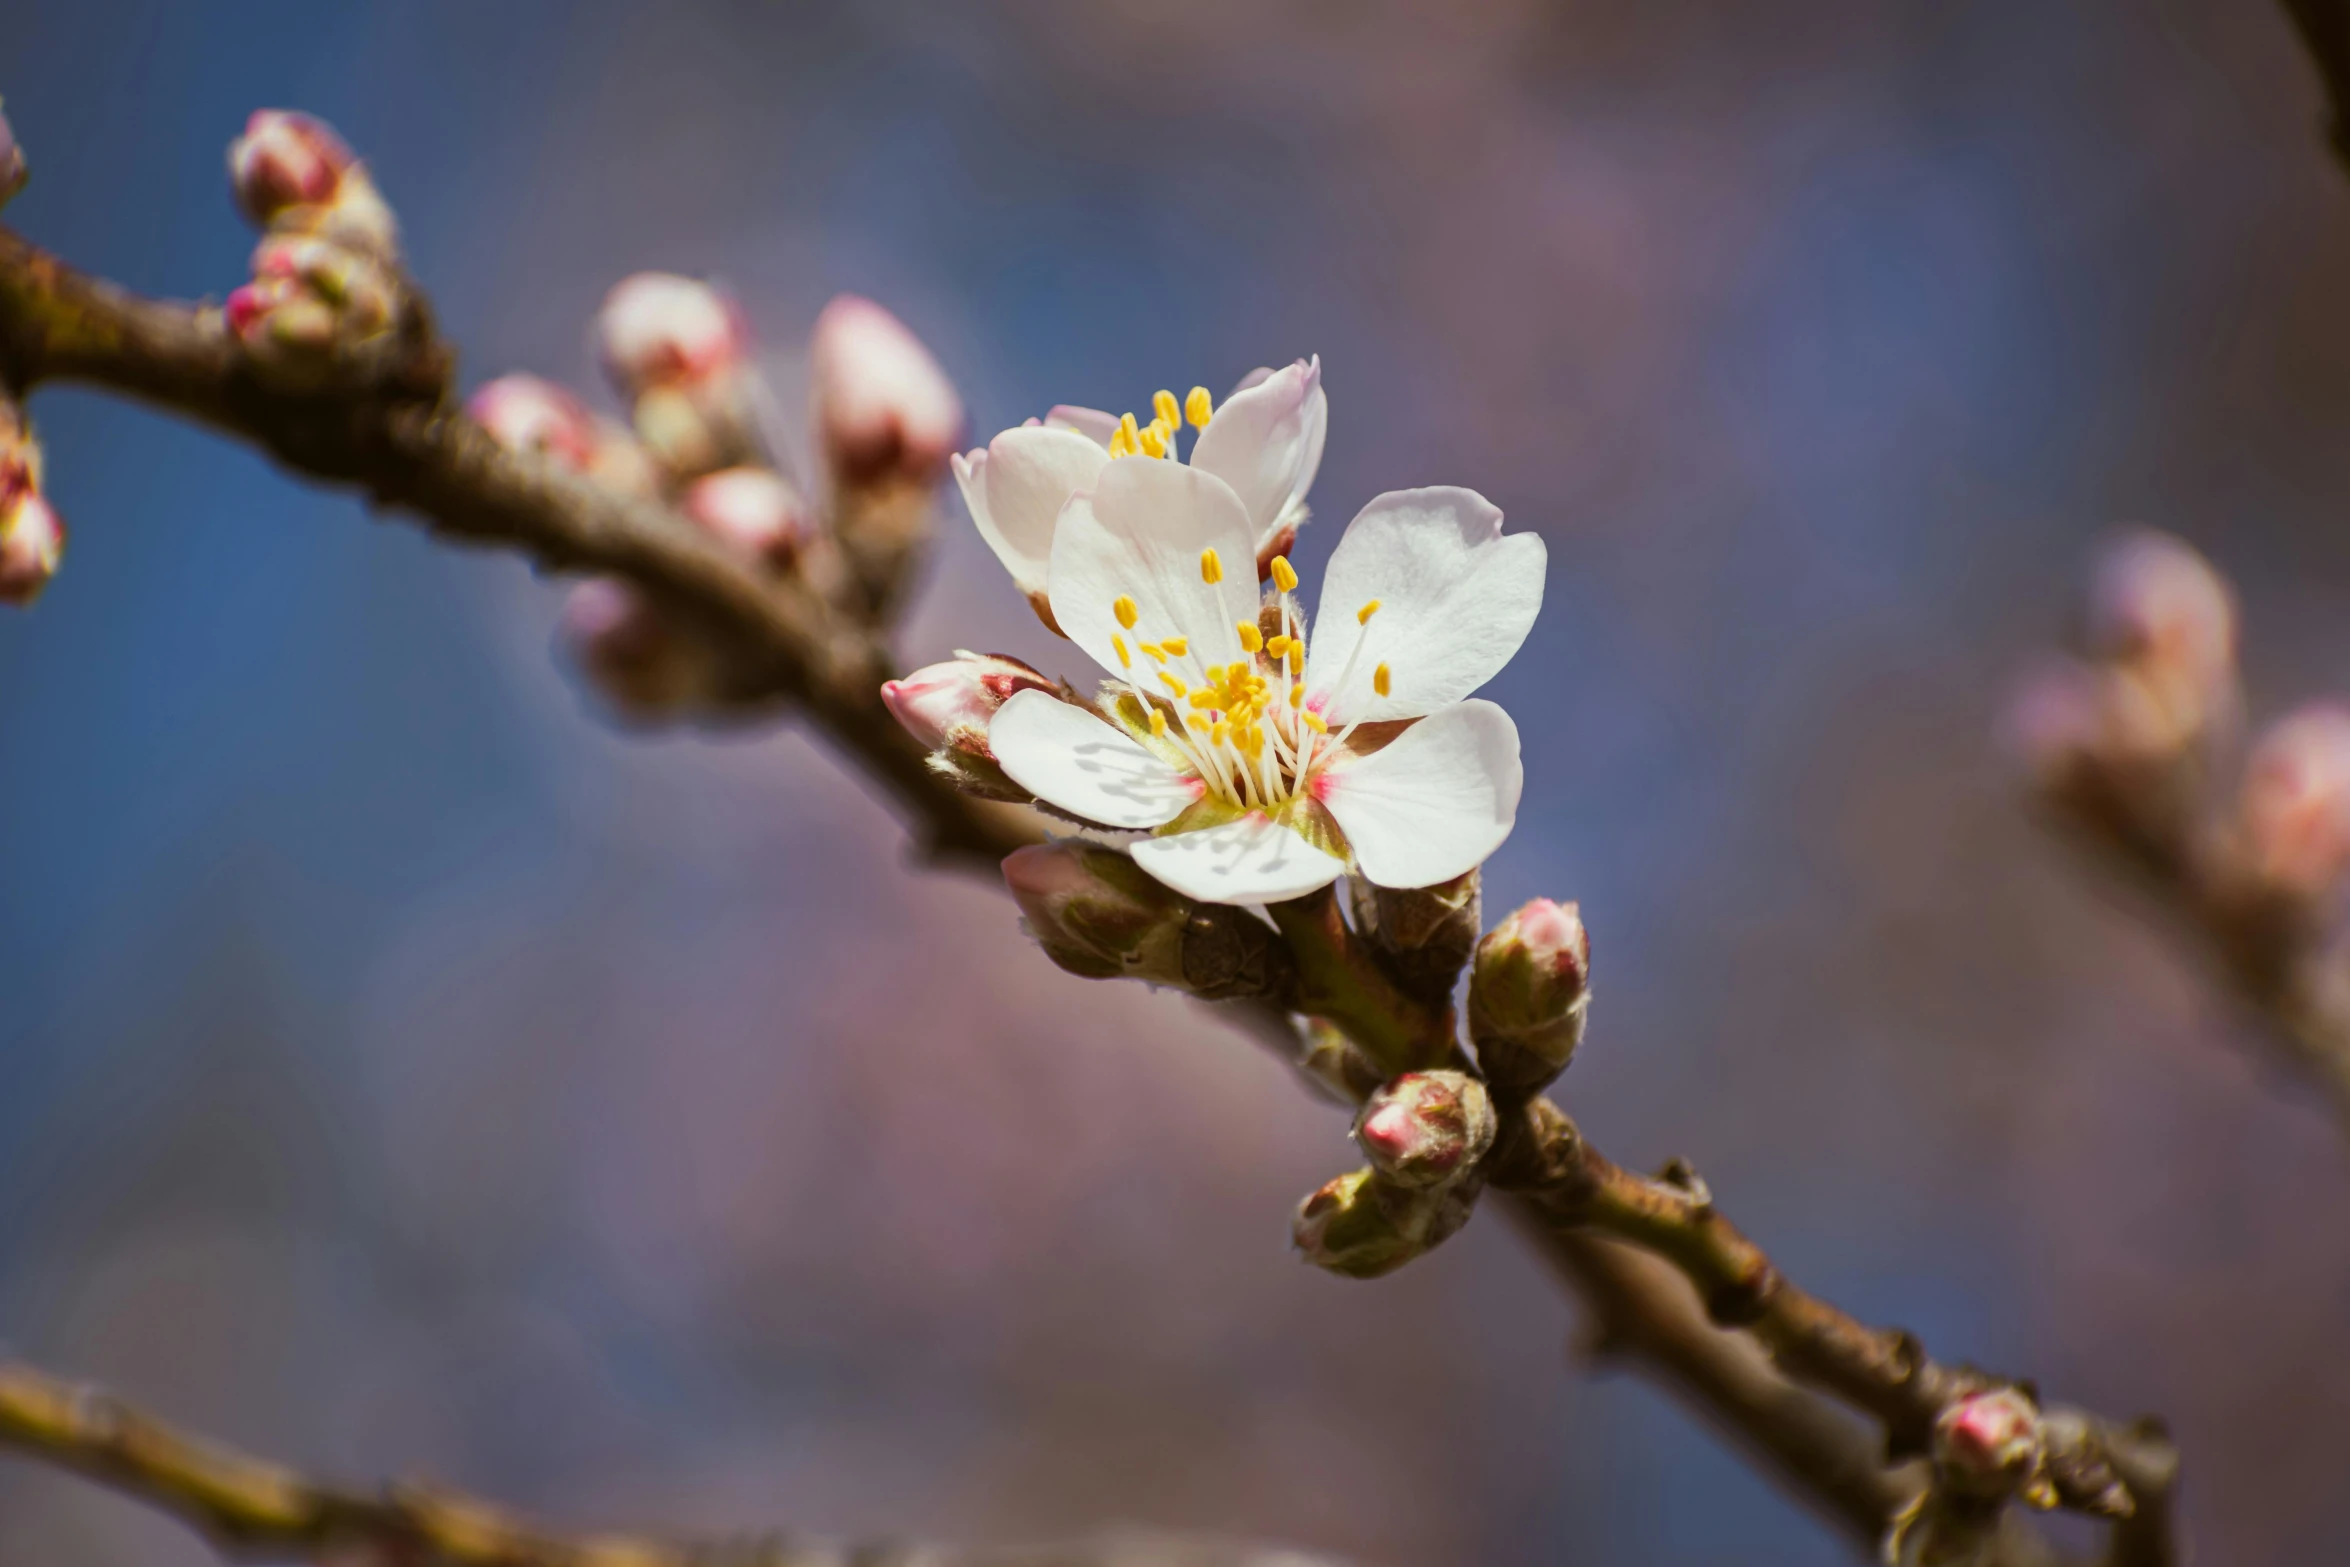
2324, 26
2127, 753
250, 1507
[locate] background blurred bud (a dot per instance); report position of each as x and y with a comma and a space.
292, 172
528, 414
751, 508
12, 165
2159, 611
617, 460
2293, 816
950, 703
1426, 1128
32, 543
1098, 914
1528, 993
1989, 1443
632, 656
659, 329
315, 310
884, 408
1361, 1225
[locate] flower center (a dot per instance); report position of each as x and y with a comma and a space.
1243, 727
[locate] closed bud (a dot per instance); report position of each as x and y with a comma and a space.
949, 704
528, 414
292, 172
1098, 914
1990, 1443
1529, 990
12, 165
1362, 1225
630, 653
315, 310
1425, 933
1426, 1128
752, 509
2159, 611
2293, 816
884, 408
32, 545
659, 329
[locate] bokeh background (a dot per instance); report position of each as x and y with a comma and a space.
402, 1072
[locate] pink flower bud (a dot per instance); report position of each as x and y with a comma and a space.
883, 406
752, 509
32, 544
1426, 1128
1098, 914
634, 658
1529, 988
658, 329
2294, 812
2158, 610
528, 414
1361, 1226
315, 307
951, 703
12, 166
283, 160
1990, 1443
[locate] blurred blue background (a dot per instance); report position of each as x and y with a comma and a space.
403, 1072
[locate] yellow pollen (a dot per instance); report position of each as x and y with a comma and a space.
1177, 645
1204, 699
1251, 638
1221, 733
1199, 407
1278, 647
1128, 428
1297, 694
1123, 607
1125, 659
1211, 567
1158, 721
1170, 414
1379, 680
1297, 659
1363, 615
1152, 440
1179, 688
1157, 652
1122, 444
1284, 574
1313, 720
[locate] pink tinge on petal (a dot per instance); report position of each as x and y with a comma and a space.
657, 329
882, 403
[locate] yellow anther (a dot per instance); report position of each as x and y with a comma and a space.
1297, 659
1156, 651
1363, 615
1129, 429
1251, 639
1211, 567
1284, 574
1179, 688
1222, 732
1199, 407
1313, 720
1177, 645
1123, 607
1125, 659
1379, 680
1205, 699
1152, 440
1158, 721
1199, 722
1297, 694
1170, 414
1122, 444
1278, 647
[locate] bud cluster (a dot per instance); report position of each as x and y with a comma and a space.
2292, 825
32, 536
1364, 1225
1529, 992
326, 298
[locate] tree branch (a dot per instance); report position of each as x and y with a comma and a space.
2324, 26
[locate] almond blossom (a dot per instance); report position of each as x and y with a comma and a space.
1264, 759
1265, 443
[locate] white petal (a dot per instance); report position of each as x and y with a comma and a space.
1071, 758
1141, 535
1252, 860
1456, 599
1266, 442
1091, 423
1026, 476
1433, 802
